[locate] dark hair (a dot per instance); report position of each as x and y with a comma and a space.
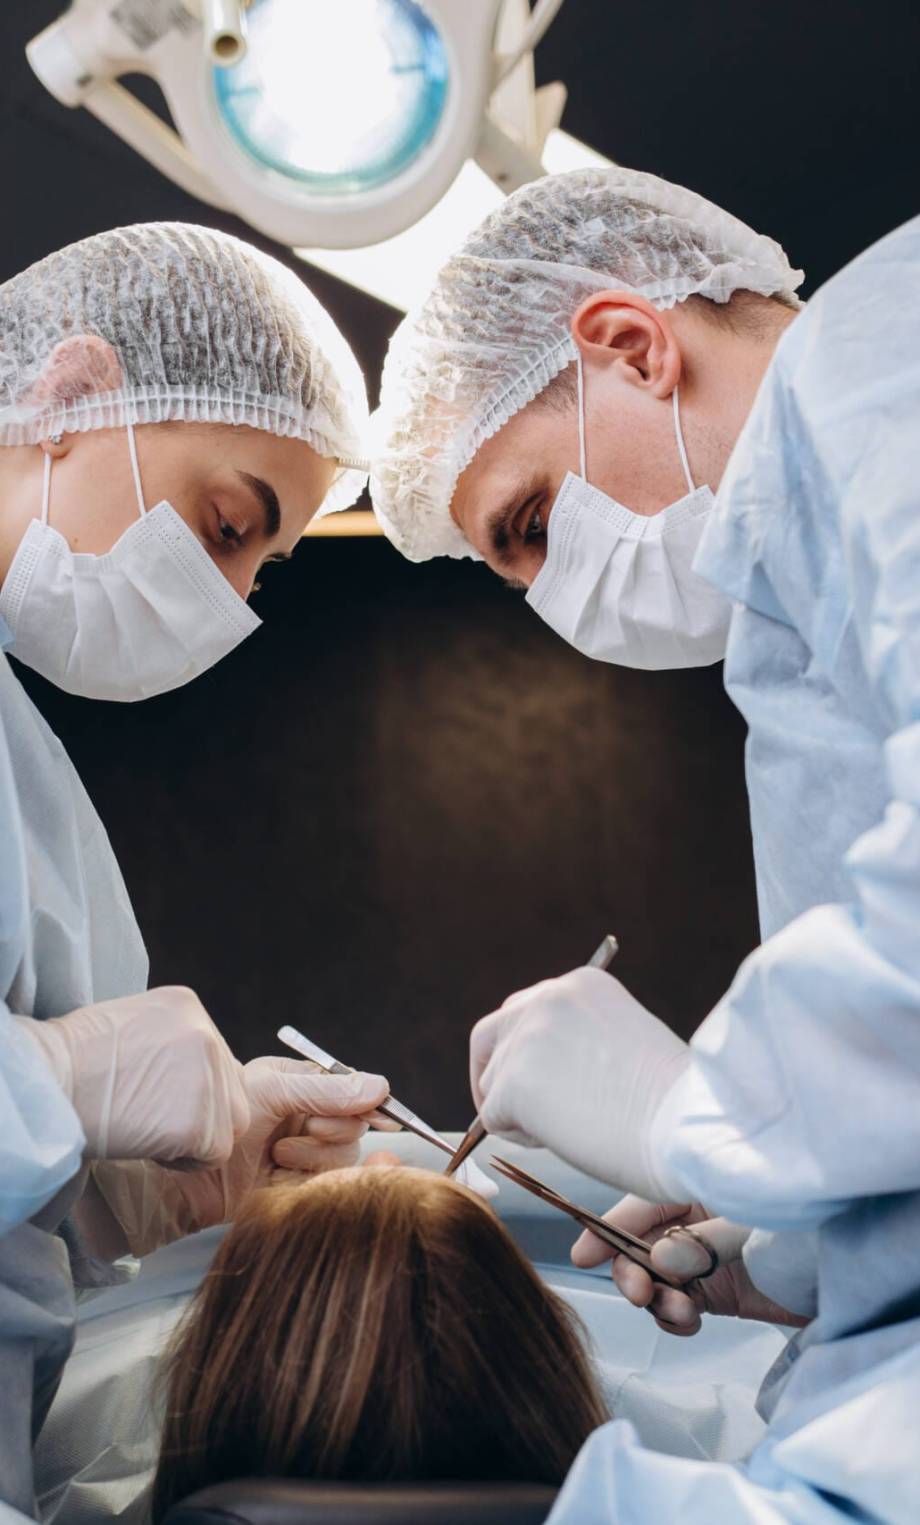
375, 1324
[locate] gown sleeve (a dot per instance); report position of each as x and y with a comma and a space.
41, 1141
803, 1093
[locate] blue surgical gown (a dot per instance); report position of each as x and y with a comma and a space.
41, 1141
800, 1111
68, 937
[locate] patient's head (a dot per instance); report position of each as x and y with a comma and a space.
373, 1325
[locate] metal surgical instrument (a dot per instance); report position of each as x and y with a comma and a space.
601, 958
390, 1108
637, 1250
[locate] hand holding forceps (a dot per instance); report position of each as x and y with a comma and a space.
391, 1108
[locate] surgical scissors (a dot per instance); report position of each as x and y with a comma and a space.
619, 1239
601, 958
390, 1108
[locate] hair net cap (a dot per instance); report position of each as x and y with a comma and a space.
495, 328
185, 323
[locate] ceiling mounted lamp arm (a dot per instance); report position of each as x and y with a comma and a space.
156, 142
537, 25
224, 31
79, 57
519, 117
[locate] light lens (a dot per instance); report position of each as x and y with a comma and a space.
338, 96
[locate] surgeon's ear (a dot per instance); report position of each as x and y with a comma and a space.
621, 328
79, 366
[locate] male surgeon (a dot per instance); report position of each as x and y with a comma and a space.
611, 396
174, 408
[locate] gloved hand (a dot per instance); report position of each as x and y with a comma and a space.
149, 1077
302, 1121
728, 1291
576, 1064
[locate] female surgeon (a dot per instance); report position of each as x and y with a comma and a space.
174, 408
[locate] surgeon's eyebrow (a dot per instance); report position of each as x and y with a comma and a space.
271, 508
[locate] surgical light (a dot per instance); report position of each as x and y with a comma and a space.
336, 131
327, 123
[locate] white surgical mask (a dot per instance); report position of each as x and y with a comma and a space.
148, 616
619, 586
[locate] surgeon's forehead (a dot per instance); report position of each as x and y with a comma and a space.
504, 467
487, 486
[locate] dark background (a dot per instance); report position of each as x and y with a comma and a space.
404, 797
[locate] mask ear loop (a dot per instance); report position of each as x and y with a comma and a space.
582, 454
681, 447
46, 488
136, 470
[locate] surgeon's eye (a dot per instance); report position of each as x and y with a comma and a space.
229, 534
533, 528
224, 536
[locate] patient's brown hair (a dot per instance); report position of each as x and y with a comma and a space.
375, 1324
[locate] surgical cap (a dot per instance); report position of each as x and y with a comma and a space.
204, 328
495, 328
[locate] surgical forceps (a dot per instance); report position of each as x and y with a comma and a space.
390, 1108
601, 958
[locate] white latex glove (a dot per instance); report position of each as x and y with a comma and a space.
728, 1291
303, 1121
149, 1077
577, 1065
